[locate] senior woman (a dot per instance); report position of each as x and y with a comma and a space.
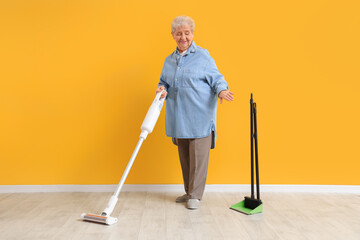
191, 84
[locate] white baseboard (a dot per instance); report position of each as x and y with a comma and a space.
355, 189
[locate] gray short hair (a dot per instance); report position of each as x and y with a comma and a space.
182, 20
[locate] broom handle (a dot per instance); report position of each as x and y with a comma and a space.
256, 154
252, 146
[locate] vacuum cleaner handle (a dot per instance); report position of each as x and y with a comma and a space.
158, 96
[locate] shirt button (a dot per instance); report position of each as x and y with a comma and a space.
175, 79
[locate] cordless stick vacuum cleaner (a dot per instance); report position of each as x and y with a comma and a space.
146, 128
251, 205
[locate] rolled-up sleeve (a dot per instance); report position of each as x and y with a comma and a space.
214, 77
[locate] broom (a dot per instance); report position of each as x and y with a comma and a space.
252, 205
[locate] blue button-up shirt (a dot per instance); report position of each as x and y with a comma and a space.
193, 83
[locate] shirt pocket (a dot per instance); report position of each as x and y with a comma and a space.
190, 79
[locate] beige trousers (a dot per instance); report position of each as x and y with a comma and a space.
194, 159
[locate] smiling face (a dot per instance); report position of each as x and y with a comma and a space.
183, 37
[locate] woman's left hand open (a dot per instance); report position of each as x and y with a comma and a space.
227, 95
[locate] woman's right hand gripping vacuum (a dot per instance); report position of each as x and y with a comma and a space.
159, 89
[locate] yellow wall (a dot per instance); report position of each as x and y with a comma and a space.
77, 78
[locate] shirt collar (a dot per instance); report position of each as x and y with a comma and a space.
191, 49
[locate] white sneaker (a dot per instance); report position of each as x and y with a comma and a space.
183, 198
193, 203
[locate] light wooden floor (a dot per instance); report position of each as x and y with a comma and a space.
149, 215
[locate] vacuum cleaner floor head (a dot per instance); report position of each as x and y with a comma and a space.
98, 218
